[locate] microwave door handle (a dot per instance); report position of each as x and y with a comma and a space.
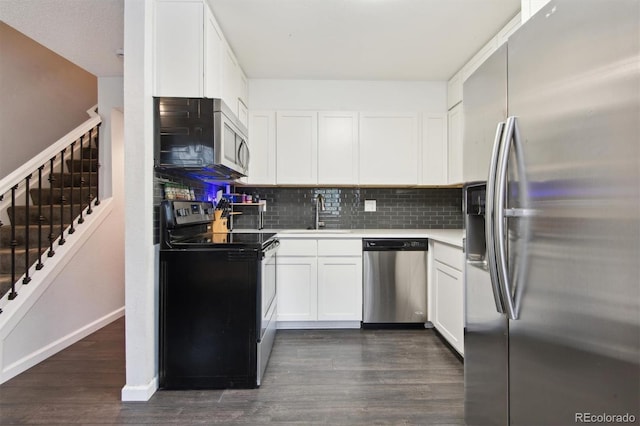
489, 212
239, 153
247, 155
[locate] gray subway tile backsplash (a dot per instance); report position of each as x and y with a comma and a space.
414, 208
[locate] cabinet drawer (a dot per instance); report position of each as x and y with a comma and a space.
449, 255
340, 247
298, 247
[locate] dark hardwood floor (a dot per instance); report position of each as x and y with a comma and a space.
336, 377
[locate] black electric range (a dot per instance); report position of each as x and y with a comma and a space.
227, 240
217, 301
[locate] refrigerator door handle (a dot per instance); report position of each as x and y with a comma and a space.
510, 135
489, 220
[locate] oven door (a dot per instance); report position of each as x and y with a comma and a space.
268, 308
268, 285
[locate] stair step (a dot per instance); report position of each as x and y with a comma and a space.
85, 165
20, 214
5, 284
77, 179
5, 259
5, 235
90, 153
56, 195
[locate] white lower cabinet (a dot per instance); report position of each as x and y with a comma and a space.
340, 288
297, 288
447, 291
319, 282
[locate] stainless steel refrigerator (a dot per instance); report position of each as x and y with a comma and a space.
552, 328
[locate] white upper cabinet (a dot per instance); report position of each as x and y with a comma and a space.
388, 148
338, 148
213, 45
434, 150
179, 48
297, 147
455, 146
192, 57
230, 78
262, 144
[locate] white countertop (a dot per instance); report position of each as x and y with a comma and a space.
447, 236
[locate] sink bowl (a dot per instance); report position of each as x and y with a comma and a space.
315, 231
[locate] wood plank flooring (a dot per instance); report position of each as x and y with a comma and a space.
319, 377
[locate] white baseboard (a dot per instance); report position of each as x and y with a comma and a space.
308, 325
141, 392
41, 354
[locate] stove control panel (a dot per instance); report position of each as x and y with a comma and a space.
189, 212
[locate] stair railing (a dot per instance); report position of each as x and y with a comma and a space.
16, 194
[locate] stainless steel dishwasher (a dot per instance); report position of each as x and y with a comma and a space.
395, 282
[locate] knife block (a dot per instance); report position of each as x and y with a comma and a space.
219, 223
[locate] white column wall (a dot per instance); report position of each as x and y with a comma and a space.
141, 293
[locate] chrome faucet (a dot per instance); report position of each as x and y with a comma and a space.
319, 206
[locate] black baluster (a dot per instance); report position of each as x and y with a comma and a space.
52, 180
90, 196
40, 265
1, 224
14, 243
61, 241
98, 165
81, 218
72, 229
27, 223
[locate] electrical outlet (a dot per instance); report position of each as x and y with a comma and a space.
369, 205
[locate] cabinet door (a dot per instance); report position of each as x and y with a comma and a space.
388, 149
297, 147
338, 148
454, 162
179, 50
297, 284
434, 150
213, 47
448, 292
262, 145
340, 288
230, 77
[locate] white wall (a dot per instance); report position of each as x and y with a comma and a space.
110, 95
43, 96
141, 292
349, 95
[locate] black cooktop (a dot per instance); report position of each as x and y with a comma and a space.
251, 240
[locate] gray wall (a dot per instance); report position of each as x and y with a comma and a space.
413, 208
43, 97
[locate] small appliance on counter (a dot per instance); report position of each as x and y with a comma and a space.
217, 300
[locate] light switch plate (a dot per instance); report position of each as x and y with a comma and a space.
369, 205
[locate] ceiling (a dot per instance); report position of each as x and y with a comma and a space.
359, 39
86, 32
290, 39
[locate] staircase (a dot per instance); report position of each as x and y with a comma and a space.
45, 208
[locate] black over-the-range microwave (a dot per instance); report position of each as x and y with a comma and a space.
199, 137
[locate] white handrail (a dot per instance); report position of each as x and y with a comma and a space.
21, 172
